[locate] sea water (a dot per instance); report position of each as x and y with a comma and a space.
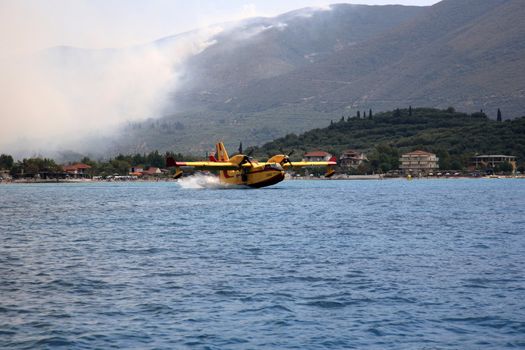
393, 264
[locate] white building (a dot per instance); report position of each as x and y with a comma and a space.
351, 158
418, 162
492, 160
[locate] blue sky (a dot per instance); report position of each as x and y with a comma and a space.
29, 25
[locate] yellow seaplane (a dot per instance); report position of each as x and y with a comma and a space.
241, 169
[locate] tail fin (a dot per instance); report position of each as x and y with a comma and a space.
329, 169
221, 153
212, 158
170, 162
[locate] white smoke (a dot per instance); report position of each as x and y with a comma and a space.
55, 98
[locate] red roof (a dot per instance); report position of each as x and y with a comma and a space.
317, 154
77, 166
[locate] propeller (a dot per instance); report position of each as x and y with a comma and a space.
286, 158
245, 159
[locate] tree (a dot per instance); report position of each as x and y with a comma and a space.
370, 113
384, 158
409, 111
499, 115
6, 162
155, 159
397, 113
445, 162
358, 115
35, 166
364, 115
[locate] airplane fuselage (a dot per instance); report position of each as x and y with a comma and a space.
257, 176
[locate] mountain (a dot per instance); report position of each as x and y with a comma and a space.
463, 53
245, 54
261, 78
262, 48
269, 76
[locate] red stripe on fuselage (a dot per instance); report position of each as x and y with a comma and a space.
225, 174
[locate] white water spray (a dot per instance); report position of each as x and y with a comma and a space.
199, 181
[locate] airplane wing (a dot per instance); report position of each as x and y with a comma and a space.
304, 164
286, 163
331, 162
170, 162
211, 165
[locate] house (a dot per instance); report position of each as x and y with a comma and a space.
418, 162
351, 158
136, 169
77, 170
317, 156
491, 161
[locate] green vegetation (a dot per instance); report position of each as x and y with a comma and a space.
455, 137
120, 165
33, 166
6, 162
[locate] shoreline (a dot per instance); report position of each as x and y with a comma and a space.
302, 178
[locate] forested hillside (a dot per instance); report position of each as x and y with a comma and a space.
453, 136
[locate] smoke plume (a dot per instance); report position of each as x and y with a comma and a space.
58, 97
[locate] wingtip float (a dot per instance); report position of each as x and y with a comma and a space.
241, 169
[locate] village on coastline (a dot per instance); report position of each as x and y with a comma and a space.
415, 164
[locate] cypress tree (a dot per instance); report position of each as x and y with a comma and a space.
499, 115
364, 114
358, 114
409, 111
370, 113
397, 113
